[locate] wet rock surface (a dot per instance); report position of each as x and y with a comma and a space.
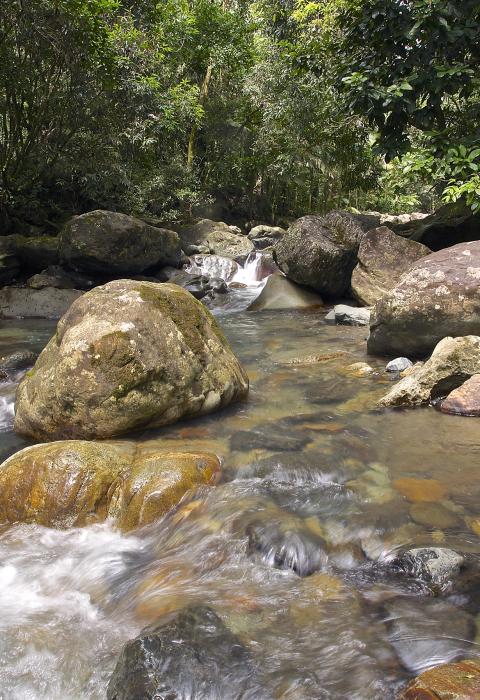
434, 565
128, 355
460, 681
382, 259
438, 297
349, 315
74, 483
193, 656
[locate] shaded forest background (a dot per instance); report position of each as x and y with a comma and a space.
236, 109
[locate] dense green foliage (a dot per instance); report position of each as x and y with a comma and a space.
260, 109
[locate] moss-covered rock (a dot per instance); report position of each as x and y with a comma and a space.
108, 242
76, 482
128, 355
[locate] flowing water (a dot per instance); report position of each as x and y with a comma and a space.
306, 454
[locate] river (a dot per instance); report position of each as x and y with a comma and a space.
307, 453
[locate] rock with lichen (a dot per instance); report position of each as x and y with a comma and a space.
128, 355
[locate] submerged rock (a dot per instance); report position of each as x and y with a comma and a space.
464, 401
128, 355
460, 681
438, 297
192, 657
434, 565
113, 243
321, 251
23, 302
452, 362
382, 259
285, 542
75, 482
280, 293
427, 632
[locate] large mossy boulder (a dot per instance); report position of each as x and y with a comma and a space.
111, 243
73, 483
453, 361
192, 657
128, 355
321, 251
383, 257
438, 297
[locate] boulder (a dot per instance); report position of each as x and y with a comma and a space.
192, 657
451, 224
221, 239
57, 276
74, 482
464, 401
460, 681
453, 361
112, 243
434, 565
128, 355
348, 315
264, 236
9, 262
213, 266
280, 293
382, 259
23, 302
321, 251
438, 297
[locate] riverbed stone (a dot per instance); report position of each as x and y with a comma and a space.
351, 315
382, 259
18, 360
425, 631
434, 515
464, 401
321, 251
72, 483
113, 243
279, 293
434, 565
399, 364
438, 297
23, 302
192, 656
453, 361
128, 355
460, 681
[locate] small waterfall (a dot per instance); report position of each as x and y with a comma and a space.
256, 269
7, 404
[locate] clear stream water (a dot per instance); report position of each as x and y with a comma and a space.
306, 451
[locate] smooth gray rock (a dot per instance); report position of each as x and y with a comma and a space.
279, 293
399, 364
351, 315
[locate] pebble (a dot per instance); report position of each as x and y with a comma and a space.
399, 364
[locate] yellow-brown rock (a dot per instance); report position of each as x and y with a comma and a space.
157, 483
74, 482
460, 681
